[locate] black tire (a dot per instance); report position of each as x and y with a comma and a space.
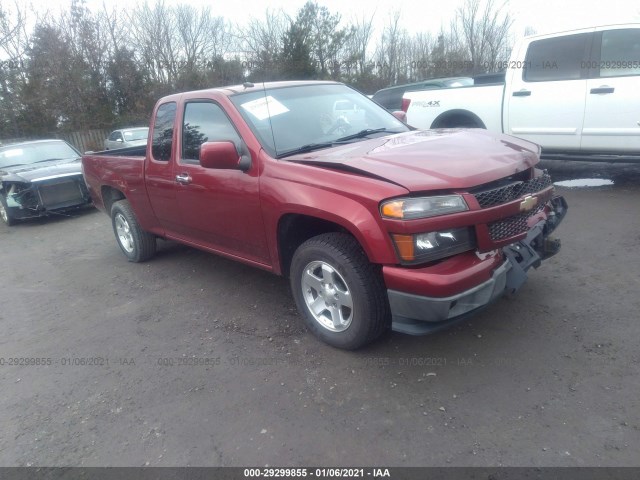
5, 215
355, 279
135, 243
459, 121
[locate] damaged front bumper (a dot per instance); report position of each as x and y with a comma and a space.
419, 315
45, 196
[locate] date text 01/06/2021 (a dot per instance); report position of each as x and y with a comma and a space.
272, 472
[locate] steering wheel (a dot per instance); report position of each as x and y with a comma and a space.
340, 126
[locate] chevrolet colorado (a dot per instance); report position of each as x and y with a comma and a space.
376, 225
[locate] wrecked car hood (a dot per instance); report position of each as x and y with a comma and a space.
431, 159
38, 171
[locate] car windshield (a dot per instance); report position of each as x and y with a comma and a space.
289, 120
28, 153
135, 134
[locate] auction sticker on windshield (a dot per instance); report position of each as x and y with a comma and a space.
262, 108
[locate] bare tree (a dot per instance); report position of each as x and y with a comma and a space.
358, 44
14, 42
262, 42
200, 35
391, 53
12, 22
449, 57
115, 25
483, 28
153, 32
421, 46
89, 68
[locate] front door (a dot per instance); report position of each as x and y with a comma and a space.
220, 209
158, 175
546, 98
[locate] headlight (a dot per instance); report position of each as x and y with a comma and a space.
410, 208
427, 247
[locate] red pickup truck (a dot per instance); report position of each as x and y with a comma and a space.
376, 224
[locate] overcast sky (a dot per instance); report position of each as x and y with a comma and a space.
544, 16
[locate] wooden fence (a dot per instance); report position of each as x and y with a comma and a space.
87, 140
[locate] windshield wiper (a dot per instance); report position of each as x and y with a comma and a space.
305, 148
363, 133
317, 146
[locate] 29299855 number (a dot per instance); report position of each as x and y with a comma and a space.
25, 361
274, 472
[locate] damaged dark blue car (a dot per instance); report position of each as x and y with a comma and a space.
38, 178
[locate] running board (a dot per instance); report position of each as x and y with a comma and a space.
594, 157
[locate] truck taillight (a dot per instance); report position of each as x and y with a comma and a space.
405, 104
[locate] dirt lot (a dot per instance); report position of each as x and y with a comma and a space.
191, 359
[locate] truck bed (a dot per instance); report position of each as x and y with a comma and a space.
437, 108
119, 170
137, 151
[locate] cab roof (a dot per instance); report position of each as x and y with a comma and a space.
248, 87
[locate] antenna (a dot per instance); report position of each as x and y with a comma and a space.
266, 101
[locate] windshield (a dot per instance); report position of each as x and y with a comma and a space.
137, 134
28, 153
287, 119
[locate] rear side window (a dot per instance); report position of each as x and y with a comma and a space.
620, 53
163, 132
389, 99
205, 122
560, 58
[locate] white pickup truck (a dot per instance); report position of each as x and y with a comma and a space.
576, 93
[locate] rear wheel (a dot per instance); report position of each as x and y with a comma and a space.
458, 121
135, 243
4, 212
339, 293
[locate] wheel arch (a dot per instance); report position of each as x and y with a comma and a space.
294, 229
456, 118
110, 195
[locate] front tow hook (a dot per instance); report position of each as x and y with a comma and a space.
550, 247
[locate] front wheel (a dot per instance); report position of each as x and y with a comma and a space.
339, 293
4, 212
135, 243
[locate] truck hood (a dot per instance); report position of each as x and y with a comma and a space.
431, 159
37, 171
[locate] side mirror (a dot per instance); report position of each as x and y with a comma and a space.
400, 115
119, 140
220, 155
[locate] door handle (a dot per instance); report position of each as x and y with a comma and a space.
603, 89
522, 93
183, 179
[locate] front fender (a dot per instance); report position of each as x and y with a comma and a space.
349, 201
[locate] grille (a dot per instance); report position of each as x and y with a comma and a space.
60, 194
513, 191
512, 226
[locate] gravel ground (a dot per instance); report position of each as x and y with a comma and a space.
191, 359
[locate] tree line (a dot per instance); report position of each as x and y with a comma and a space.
87, 69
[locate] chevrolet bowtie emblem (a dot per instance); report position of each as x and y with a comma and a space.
528, 203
